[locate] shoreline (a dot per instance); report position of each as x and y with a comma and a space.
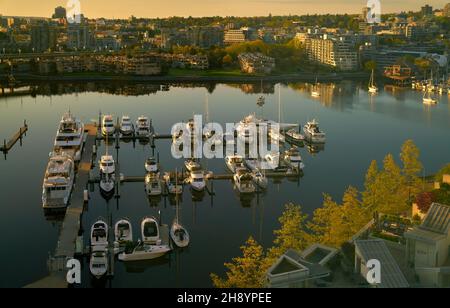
305, 77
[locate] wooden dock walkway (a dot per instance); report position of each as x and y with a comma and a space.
66, 246
7, 145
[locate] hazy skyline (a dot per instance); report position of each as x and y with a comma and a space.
166, 8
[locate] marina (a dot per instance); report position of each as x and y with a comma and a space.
204, 217
18, 136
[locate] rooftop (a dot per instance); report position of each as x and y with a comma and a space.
391, 275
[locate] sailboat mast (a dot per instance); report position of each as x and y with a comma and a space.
279, 104
176, 185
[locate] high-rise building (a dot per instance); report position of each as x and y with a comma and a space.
78, 36
60, 12
332, 51
239, 35
43, 37
427, 10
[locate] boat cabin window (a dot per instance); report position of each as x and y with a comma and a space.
150, 230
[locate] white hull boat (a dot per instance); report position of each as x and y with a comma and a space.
313, 133
145, 252
234, 162
179, 235
126, 126
153, 184
108, 128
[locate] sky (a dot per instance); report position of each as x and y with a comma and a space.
166, 8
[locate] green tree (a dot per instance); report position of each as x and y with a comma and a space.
247, 271
370, 65
292, 234
370, 194
412, 168
390, 188
323, 221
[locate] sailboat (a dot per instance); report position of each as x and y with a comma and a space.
373, 89
315, 92
261, 101
427, 98
178, 233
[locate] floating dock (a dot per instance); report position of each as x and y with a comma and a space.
8, 145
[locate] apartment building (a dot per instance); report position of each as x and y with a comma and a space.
256, 63
233, 36
332, 51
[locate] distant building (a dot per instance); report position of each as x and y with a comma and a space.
256, 63
43, 37
233, 36
78, 37
60, 13
205, 37
426, 10
428, 247
332, 51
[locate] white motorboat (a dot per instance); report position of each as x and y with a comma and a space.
293, 158
173, 184
99, 234
98, 263
243, 181
197, 180
373, 89
151, 165
143, 127
70, 137
58, 181
260, 179
126, 126
107, 164
150, 231
313, 133
428, 99
107, 173
192, 164
145, 252
179, 235
123, 231
108, 128
234, 162
293, 136
153, 184
247, 128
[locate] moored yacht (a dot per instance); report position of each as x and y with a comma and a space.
192, 164
373, 89
107, 174
58, 181
108, 128
294, 137
234, 162
293, 159
197, 180
126, 126
243, 181
70, 137
313, 133
173, 183
151, 165
143, 127
153, 184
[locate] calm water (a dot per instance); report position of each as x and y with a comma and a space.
358, 128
